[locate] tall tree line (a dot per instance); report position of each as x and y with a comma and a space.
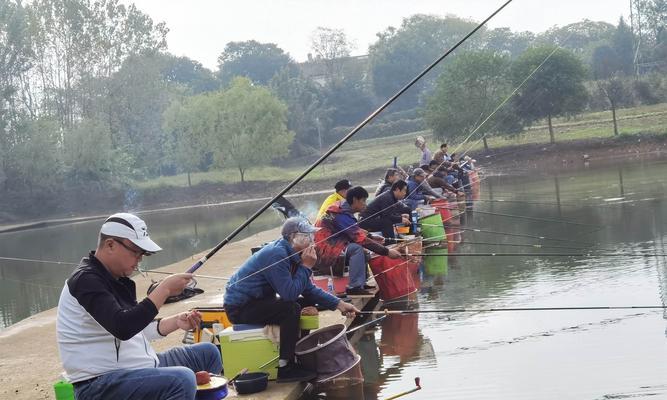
89, 95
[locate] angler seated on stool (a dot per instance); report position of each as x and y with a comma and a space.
282, 267
341, 232
103, 332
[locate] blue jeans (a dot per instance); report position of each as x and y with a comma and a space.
174, 379
355, 256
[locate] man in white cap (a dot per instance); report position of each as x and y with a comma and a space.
426, 157
103, 332
282, 267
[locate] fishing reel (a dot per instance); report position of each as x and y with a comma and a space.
190, 290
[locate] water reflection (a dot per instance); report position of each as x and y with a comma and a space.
585, 354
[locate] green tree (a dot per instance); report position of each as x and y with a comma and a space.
579, 37
138, 96
15, 61
89, 157
190, 125
307, 115
35, 162
467, 93
253, 60
331, 47
400, 54
507, 42
614, 91
77, 41
250, 127
190, 73
555, 89
605, 62
623, 44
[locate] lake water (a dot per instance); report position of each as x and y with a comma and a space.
608, 354
601, 354
29, 287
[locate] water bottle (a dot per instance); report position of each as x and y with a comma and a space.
64, 390
413, 219
330, 286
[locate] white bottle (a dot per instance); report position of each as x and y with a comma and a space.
330, 286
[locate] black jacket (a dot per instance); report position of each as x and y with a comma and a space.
385, 206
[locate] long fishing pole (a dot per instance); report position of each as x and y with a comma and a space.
219, 278
537, 255
537, 219
513, 309
326, 155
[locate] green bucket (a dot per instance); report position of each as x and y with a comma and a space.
436, 266
432, 228
64, 390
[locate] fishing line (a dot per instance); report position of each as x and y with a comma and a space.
593, 255
538, 219
199, 263
512, 309
37, 261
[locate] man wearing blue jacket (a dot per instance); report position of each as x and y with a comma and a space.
282, 267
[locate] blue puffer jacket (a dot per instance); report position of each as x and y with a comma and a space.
259, 279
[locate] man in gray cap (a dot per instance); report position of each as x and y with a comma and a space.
419, 190
104, 334
282, 267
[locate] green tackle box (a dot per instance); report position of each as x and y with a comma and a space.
248, 348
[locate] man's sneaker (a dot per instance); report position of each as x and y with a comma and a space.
294, 373
367, 286
358, 291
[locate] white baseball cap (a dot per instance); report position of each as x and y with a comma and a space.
131, 227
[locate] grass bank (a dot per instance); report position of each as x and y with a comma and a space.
356, 157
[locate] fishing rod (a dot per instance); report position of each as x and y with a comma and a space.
512, 309
326, 155
537, 255
537, 219
219, 278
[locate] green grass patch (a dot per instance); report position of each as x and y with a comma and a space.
360, 155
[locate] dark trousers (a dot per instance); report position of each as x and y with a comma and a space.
272, 312
379, 224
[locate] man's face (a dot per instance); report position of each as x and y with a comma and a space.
358, 205
419, 178
302, 240
126, 256
400, 194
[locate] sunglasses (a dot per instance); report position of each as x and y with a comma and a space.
136, 252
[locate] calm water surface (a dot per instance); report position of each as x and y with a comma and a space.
520, 355
541, 355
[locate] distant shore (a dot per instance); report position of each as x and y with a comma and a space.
526, 158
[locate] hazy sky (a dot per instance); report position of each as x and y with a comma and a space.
200, 29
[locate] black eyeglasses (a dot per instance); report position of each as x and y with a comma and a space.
137, 253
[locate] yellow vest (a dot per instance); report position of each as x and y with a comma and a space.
327, 202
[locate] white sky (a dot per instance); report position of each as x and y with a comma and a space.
200, 29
